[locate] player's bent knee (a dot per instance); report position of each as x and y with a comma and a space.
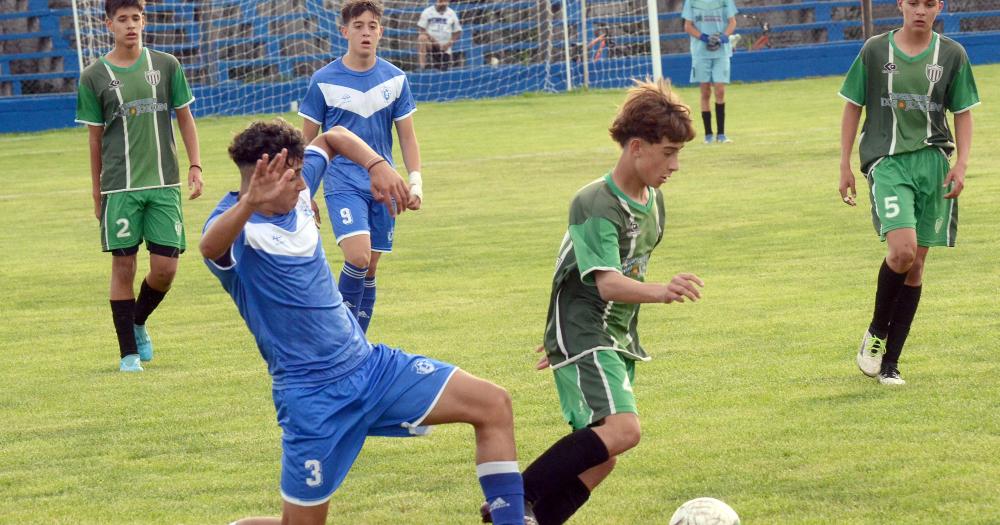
497, 406
358, 259
901, 260
620, 433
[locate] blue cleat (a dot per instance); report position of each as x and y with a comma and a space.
722, 139
709, 138
130, 363
143, 343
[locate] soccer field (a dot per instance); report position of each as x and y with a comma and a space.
752, 397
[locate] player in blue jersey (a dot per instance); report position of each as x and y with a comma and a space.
710, 23
366, 95
331, 387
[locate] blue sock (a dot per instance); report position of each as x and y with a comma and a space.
504, 490
352, 286
367, 303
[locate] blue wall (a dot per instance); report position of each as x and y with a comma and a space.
22, 114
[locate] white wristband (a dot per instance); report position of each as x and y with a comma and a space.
416, 185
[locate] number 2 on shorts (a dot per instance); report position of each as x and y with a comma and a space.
123, 233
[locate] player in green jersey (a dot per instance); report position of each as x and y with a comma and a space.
905, 80
591, 343
125, 99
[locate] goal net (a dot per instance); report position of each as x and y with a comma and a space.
250, 56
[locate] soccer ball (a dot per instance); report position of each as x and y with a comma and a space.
705, 511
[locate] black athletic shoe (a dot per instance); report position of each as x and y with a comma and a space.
890, 376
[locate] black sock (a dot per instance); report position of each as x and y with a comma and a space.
889, 285
123, 314
558, 507
562, 463
902, 318
149, 299
706, 117
720, 117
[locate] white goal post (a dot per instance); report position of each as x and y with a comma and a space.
251, 56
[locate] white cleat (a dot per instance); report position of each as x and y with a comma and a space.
870, 354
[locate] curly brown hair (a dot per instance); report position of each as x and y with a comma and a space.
112, 6
355, 8
262, 137
651, 112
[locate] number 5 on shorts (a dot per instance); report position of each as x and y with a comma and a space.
891, 207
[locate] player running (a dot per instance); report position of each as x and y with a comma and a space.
906, 79
591, 339
125, 99
366, 95
331, 387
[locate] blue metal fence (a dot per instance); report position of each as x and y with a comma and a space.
218, 90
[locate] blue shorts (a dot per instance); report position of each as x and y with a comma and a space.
710, 70
356, 213
323, 427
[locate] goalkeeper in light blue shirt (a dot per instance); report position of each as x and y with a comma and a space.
710, 24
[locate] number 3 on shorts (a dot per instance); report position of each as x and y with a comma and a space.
891, 207
316, 469
345, 216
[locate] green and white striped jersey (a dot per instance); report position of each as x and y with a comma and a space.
133, 104
905, 97
608, 231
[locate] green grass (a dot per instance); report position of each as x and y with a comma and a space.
752, 396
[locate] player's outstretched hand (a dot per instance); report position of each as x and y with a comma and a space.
543, 363
389, 188
270, 177
195, 183
956, 177
683, 285
848, 190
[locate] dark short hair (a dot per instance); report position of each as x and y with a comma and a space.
651, 112
355, 8
269, 137
112, 6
